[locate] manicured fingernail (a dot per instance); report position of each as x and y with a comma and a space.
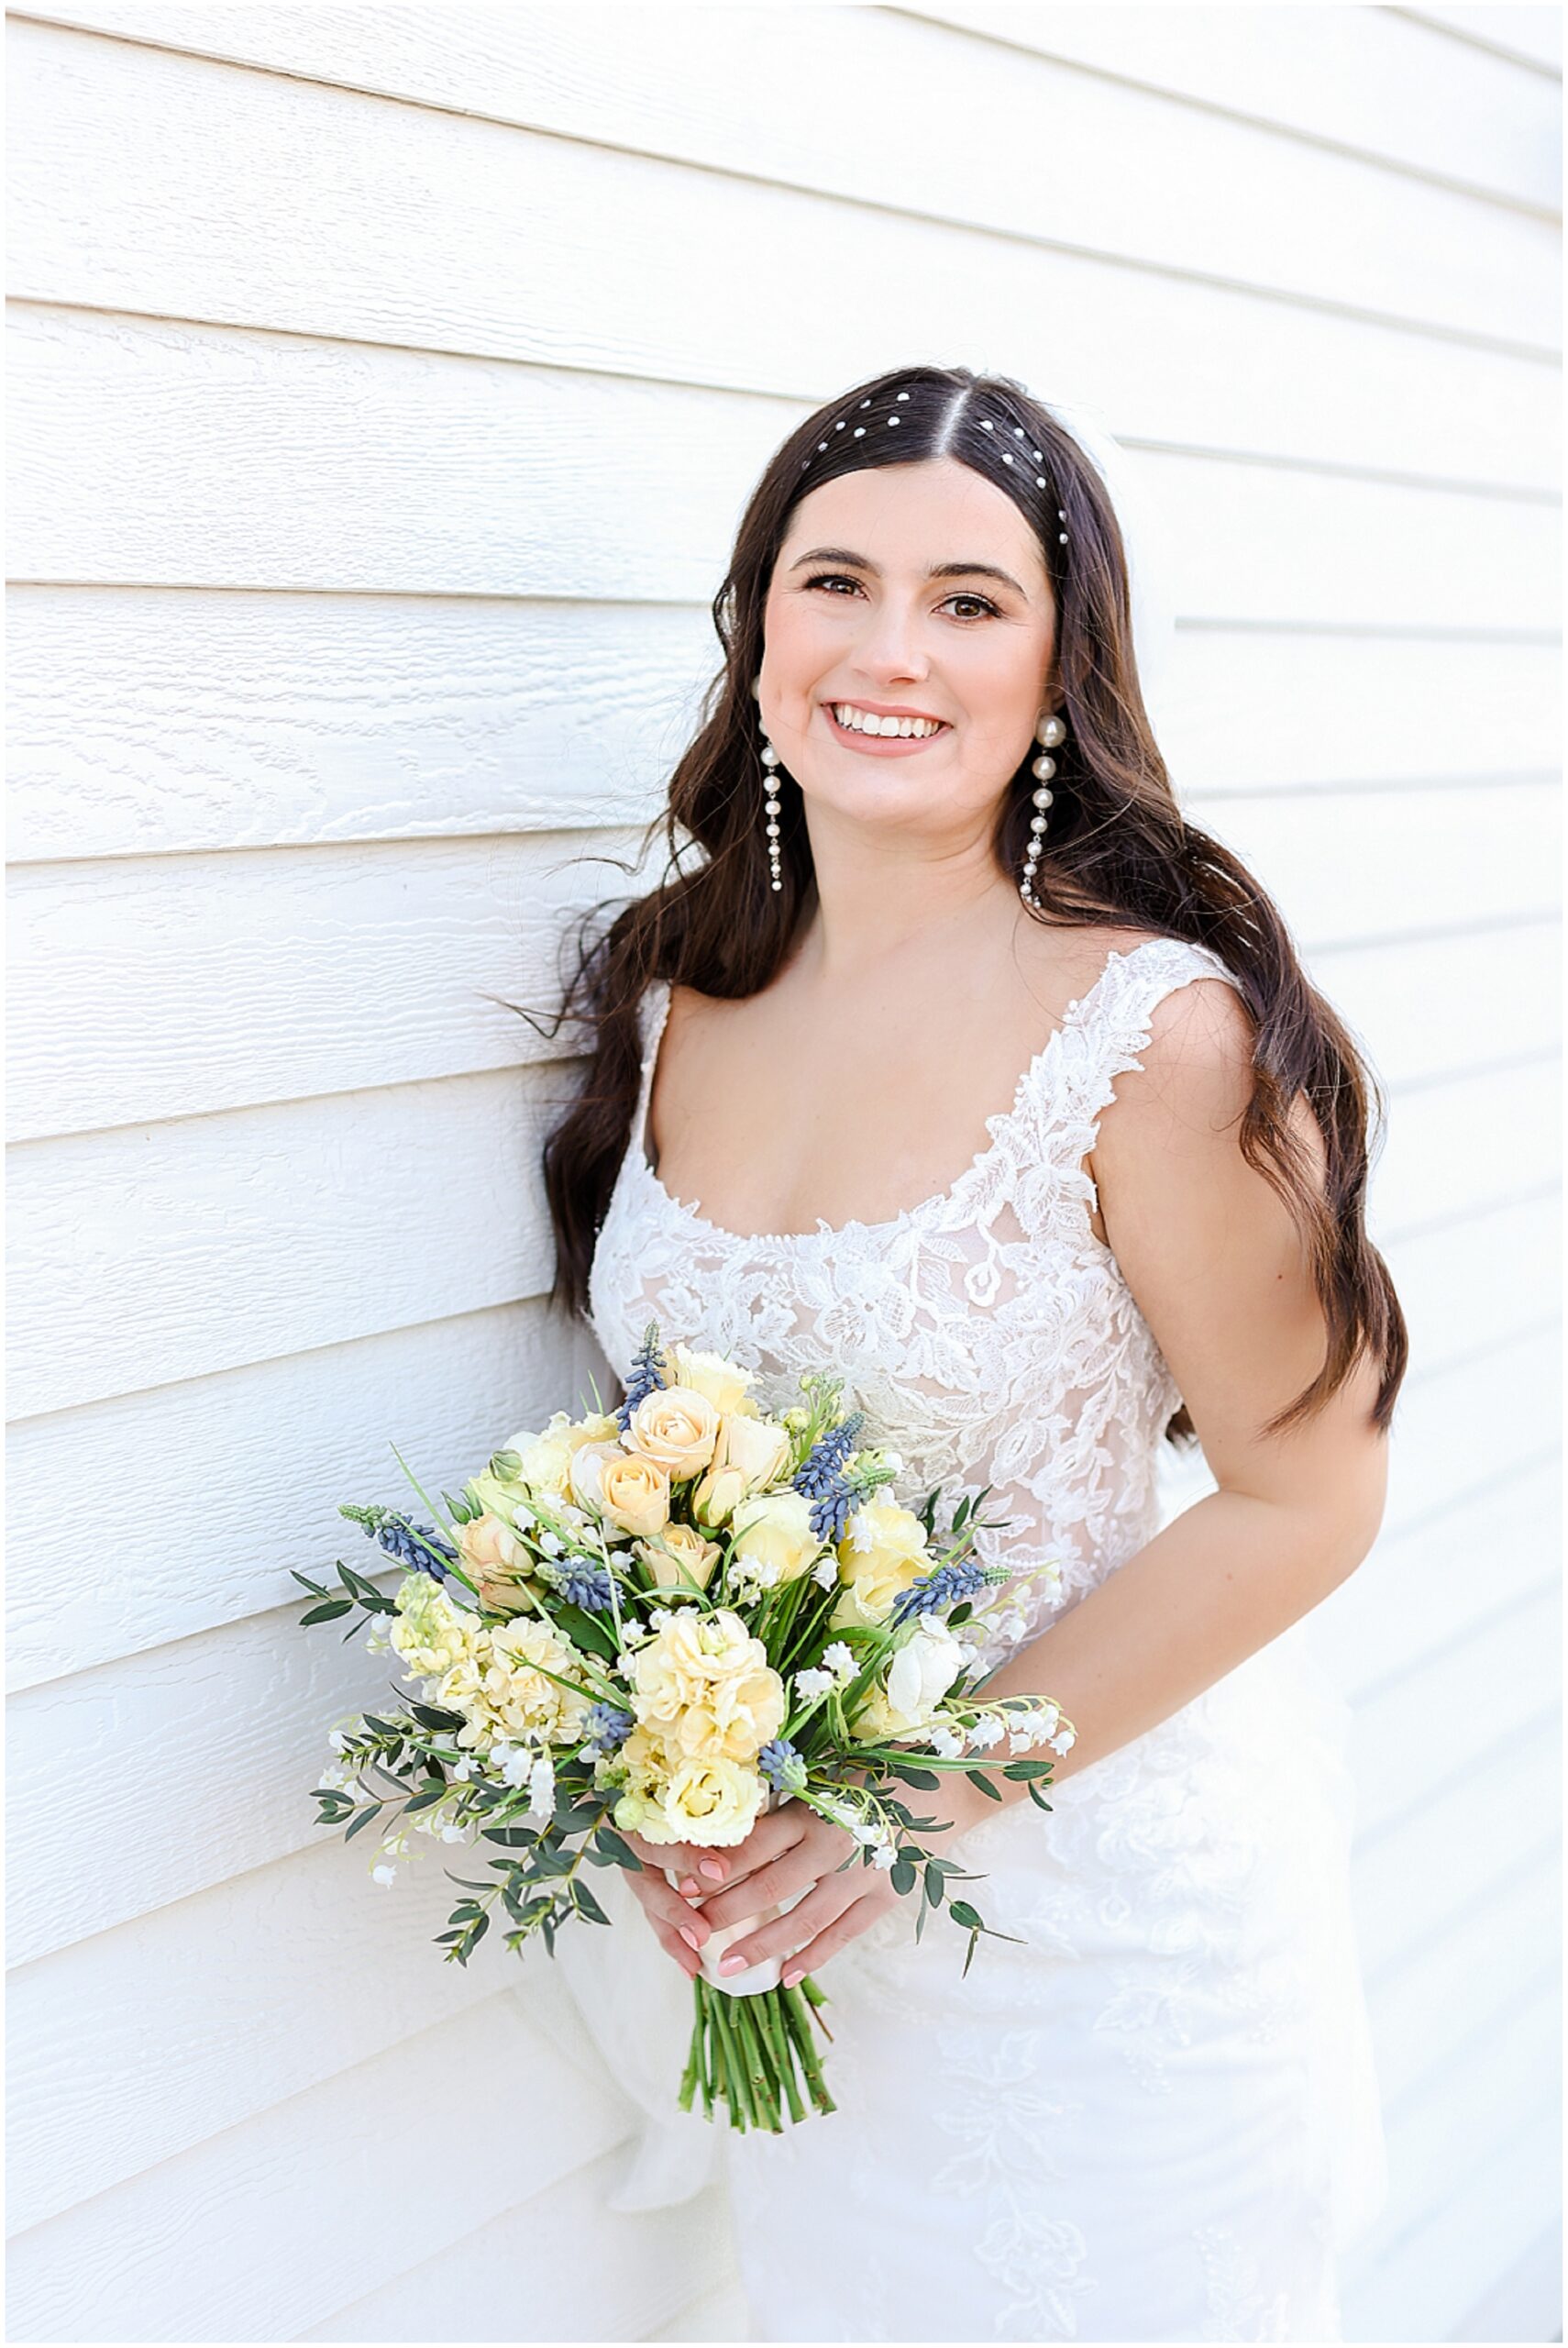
712, 1870
689, 1936
790, 1979
732, 1964
690, 1889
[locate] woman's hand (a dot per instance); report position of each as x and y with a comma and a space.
788, 1850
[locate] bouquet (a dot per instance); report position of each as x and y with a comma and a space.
663, 1619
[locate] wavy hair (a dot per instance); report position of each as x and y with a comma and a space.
1119, 853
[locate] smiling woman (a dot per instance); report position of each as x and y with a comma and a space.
939, 847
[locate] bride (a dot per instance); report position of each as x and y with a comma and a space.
960, 1060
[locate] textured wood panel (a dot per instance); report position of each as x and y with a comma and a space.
270, 2225
956, 136
447, 232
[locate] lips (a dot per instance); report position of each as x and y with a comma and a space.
885, 744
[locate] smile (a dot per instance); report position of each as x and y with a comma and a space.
906, 735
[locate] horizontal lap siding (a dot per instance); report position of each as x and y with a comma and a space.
374, 468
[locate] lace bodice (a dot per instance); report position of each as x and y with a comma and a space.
987, 1331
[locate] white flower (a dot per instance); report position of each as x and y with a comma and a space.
338, 1741
884, 1856
947, 1742
867, 1830
1065, 1742
861, 1534
383, 1875
658, 1616
922, 1671
454, 1831
1021, 1739
987, 1731
810, 1683
541, 1787
462, 1769
551, 1544
891, 1460
839, 1660
824, 1573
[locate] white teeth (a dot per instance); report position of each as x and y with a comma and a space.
863, 721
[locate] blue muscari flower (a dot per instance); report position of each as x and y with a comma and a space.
396, 1538
644, 1377
821, 1476
819, 1470
946, 1587
781, 1765
609, 1727
586, 1586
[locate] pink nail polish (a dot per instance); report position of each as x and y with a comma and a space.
712, 1870
791, 1980
734, 1963
689, 1936
690, 1889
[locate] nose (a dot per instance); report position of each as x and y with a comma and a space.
891, 643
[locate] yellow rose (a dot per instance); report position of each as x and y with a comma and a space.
635, 1493
919, 1676
774, 1529
888, 1555
749, 1453
677, 1427
722, 1380
709, 1800
679, 1550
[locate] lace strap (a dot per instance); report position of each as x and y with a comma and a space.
1112, 1024
652, 1012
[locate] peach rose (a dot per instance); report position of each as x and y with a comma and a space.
677, 1427
635, 1492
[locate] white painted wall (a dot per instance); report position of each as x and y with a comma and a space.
387, 382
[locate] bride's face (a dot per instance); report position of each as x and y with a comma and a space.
917, 588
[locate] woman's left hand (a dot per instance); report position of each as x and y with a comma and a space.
790, 1850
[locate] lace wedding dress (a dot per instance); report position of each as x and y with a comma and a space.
1153, 2115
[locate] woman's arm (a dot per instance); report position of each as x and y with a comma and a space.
1216, 1265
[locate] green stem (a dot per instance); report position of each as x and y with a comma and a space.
738, 2093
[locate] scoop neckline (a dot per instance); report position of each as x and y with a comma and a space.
996, 1126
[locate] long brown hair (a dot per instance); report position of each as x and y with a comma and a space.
1119, 853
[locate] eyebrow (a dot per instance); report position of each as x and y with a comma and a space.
937, 570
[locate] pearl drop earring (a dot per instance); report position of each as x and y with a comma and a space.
1051, 733
771, 804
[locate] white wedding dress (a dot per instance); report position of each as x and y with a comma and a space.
1153, 2115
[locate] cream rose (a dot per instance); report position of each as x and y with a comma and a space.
736, 1720
635, 1493
774, 1529
585, 1476
749, 1453
498, 1563
882, 1554
709, 1800
723, 1381
678, 1556
676, 1427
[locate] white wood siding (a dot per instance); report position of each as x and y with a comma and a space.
387, 383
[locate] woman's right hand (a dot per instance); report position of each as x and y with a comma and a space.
671, 1916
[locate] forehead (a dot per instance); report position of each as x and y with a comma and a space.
908, 516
